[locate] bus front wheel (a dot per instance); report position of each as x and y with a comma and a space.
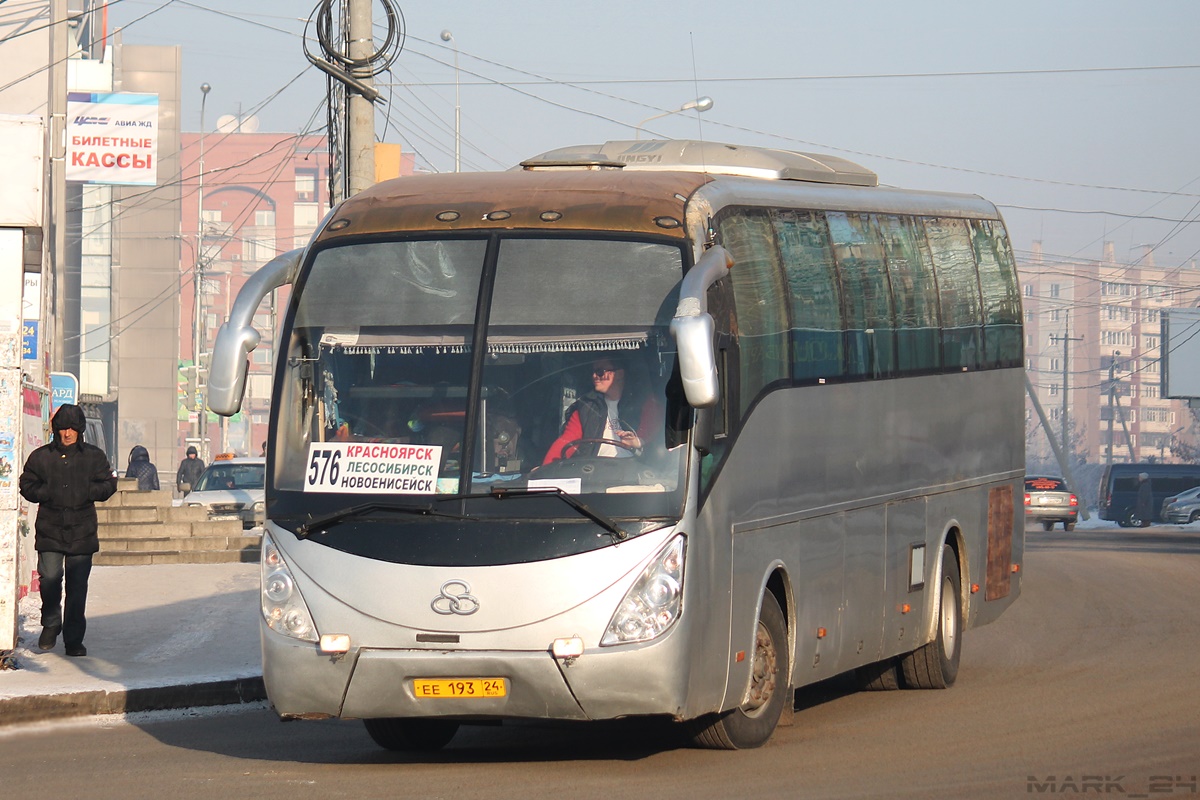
751, 724
411, 734
935, 665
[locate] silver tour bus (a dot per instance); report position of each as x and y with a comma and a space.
653, 428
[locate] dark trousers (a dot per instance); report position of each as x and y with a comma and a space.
52, 568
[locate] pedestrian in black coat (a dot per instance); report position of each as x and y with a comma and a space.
1143, 509
66, 478
189, 471
141, 468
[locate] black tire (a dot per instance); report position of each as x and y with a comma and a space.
1195, 515
1047, 526
1068, 526
882, 676
393, 733
752, 724
935, 665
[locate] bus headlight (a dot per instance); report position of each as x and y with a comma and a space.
654, 602
282, 606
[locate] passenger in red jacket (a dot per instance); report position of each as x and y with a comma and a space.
617, 419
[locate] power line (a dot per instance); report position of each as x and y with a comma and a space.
843, 77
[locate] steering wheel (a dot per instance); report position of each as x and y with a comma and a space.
574, 445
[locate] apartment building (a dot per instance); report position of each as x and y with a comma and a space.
1093, 349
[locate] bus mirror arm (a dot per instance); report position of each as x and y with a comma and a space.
237, 336
693, 328
702, 430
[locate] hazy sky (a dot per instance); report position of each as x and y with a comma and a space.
1048, 108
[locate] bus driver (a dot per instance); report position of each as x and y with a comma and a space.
595, 422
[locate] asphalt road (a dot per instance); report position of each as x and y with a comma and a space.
1088, 685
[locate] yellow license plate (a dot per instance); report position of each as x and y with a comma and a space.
441, 688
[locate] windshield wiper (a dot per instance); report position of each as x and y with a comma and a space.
616, 531
305, 529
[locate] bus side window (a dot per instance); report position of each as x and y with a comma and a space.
958, 290
914, 292
1001, 296
758, 294
866, 296
816, 331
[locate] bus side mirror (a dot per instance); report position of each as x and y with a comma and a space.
693, 328
230, 363
697, 360
237, 336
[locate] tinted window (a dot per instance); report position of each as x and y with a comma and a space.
914, 290
1001, 296
386, 283
958, 291
813, 292
759, 296
602, 282
1045, 485
866, 296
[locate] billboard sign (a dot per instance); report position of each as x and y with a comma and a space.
1180, 370
112, 138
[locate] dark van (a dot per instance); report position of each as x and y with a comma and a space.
1119, 485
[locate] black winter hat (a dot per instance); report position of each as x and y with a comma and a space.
69, 416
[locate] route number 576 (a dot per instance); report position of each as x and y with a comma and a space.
324, 468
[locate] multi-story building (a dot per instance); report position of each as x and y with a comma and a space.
1093, 351
263, 194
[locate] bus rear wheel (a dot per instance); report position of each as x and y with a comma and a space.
396, 733
935, 665
881, 676
751, 724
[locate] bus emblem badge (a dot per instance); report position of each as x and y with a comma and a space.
455, 598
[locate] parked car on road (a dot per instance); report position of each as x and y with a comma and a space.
232, 488
1183, 507
1048, 500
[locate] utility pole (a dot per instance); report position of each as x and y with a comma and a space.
55, 284
1066, 374
1063, 464
198, 328
1112, 390
361, 128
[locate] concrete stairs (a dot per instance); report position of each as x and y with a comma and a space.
138, 528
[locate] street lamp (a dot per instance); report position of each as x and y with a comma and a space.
699, 104
447, 36
198, 280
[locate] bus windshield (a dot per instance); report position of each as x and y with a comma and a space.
454, 367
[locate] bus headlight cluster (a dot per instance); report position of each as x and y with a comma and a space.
653, 603
282, 606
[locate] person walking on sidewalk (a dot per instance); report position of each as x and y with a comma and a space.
141, 468
189, 470
66, 478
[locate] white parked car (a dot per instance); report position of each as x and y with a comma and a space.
232, 488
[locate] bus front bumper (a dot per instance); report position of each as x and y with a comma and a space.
367, 683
